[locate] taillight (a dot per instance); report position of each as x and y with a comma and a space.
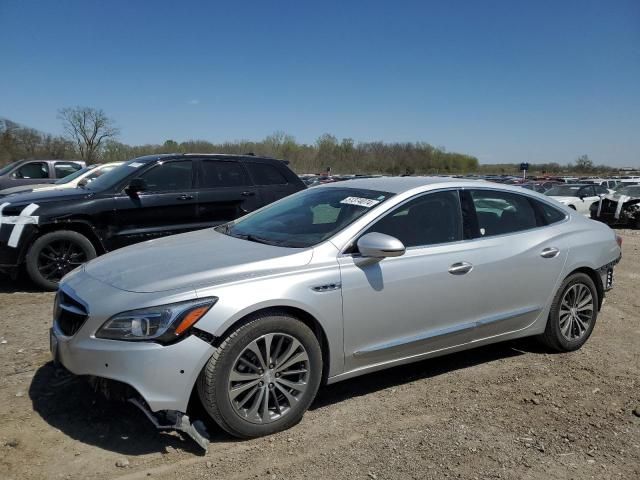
619, 240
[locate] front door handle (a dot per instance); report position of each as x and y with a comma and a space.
185, 197
248, 194
550, 252
460, 268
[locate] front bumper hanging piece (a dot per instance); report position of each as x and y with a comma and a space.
196, 430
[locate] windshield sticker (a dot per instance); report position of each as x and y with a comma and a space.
360, 202
136, 164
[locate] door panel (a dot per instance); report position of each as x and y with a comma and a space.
31, 173
169, 206
403, 306
271, 183
426, 300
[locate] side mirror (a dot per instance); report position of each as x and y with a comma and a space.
379, 245
83, 182
136, 186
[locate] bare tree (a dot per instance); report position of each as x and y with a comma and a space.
87, 127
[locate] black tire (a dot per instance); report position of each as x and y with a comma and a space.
553, 337
74, 249
214, 381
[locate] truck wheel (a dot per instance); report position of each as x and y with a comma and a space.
263, 376
55, 254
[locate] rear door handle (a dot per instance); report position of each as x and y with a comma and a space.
550, 252
248, 194
460, 268
185, 197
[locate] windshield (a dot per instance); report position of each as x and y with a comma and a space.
623, 186
631, 191
306, 218
563, 191
73, 176
115, 176
7, 168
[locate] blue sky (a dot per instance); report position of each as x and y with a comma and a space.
507, 81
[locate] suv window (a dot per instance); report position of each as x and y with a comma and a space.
264, 174
169, 176
601, 190
32, 170
427, 220
63, 169
217, 173
502, 212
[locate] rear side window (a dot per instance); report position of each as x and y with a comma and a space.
217, 173
169, 177
428, 220
499, 213
546, 213
264, 174
63, 169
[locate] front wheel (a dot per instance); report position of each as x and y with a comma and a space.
263, 377
573, 314
55, 254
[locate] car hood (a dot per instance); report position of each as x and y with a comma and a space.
46, 196
192, 260
23, 188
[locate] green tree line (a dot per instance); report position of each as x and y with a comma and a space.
91, 136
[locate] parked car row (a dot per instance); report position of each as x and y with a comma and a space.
252, 315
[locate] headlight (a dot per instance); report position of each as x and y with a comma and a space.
163, 324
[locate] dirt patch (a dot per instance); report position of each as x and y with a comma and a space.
505, 411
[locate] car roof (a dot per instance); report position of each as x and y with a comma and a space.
399, 184
247, 157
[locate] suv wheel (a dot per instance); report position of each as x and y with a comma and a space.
55, 254
263, 377
573, 314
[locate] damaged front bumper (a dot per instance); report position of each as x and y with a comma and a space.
157, 379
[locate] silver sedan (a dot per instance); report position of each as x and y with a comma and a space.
327, 284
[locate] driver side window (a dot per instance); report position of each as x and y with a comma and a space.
430, 219
32, 170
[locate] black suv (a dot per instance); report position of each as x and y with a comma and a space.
53, 232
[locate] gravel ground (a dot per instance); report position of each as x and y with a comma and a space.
507, 411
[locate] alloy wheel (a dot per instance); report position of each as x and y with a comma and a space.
58, 258
576, 311
268, 378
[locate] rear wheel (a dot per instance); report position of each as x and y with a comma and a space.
573, 314
263, 377
55, 254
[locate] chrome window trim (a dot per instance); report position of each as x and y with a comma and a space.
348, 244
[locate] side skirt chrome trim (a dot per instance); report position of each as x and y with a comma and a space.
444, 331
